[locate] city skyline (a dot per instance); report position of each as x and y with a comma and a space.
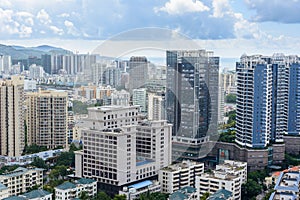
229, 28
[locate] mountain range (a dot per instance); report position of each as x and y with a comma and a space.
20, 52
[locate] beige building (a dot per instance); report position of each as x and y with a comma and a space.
229, 176
21, 180
47, 118
12, 116
177, 176
119, 148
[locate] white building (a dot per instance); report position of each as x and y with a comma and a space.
12, 116
139, 97
5, 64
177, 176
37, 195
119, 148
229, 176
36, 71
156, 106
120, 98
29, 85
287, 186
22, 179
68, 190
136, 190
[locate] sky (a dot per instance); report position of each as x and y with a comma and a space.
230, 28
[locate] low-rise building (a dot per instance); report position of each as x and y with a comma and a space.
229, 176
185, 193
69, 190
22, 179
174, 177
287, 186
37, 195
136, 190
221, 195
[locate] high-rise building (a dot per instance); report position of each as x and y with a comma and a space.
12, 116
46, 63
192, 100
5, 64
47, 118
156, 106
294, 99
138, 72
266, 99
36, 71
139, 97
119, 148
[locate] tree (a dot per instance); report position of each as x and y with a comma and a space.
230, 98
31, 149
250, 190
204, 196
39, 163
119, 197
66, 158
84, 195
102, 195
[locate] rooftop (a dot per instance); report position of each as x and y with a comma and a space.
66, 186
220, 195
141, 185
183, 193
36, 194
182, 165
15, 198
19, 171
85, 181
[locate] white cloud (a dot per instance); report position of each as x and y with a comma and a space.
44, 17
178, 7
5, 3
56, 30
64, 15
220, 7
71, 28
25, 31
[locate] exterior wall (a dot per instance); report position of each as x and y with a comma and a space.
192, 96
175, 177
47, 118
257, 159
71, 193
213, 183
292, 144
21, 180
12, 116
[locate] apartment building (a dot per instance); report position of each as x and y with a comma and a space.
287, 186
47, 118
69, 190
12, 116
229, 176
119, 148
156, 106
177, 176
21, 180
185, 193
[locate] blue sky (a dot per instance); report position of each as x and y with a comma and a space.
228, 27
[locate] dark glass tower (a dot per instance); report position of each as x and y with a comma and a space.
192, 101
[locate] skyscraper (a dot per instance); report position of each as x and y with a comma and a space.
192, 100
267, 99
47, 118
12, 116
138, 72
